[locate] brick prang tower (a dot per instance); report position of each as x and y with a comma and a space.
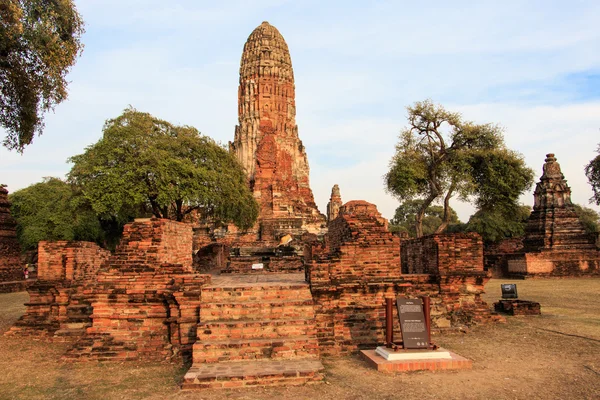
266, 140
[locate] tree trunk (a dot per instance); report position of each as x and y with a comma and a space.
421, 213
447, 214
155, 207
178, 209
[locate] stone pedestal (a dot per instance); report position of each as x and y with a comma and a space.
416, 364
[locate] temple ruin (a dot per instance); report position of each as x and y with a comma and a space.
258, 307
266, 138
11, 269
555, 241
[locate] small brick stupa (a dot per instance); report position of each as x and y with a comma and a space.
266, 139
335, 203
10, 266
555, 242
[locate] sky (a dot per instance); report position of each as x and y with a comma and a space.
532, 67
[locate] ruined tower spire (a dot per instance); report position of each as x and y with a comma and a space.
266, 138
553, 223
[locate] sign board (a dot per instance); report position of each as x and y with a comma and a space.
257, 266
412, 323
509, 290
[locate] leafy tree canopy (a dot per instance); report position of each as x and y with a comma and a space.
142, 161
592, 171
49, 210
404, 218
439, 156
589, 218
499, 223
39, 42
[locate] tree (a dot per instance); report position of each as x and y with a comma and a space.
404, 218
592, 171
142, 161
497, 223
439, 156
589, 218
49, 210
39, 42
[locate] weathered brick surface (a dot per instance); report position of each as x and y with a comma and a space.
146, 297
10, 264
360, 267
141, 303
266, 140
442, 254
554, 263
495, 255
69, 260
555, 242
259, 333
518, 307
58, 306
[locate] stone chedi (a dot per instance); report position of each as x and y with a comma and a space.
554, 224
266, 140
555, 241
10, 269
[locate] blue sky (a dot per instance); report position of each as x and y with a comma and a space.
531, 66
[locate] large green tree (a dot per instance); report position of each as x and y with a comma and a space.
589, 218
39, 42
592, 171
50, 210
497, 223
142, 161
406, 213
439, 156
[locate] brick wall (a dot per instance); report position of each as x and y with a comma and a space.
58, 304
151, 242
69, 260
555, 263
360, 266
443, 253
495, 255
146, 299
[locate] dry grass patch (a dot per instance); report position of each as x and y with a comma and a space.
522, 359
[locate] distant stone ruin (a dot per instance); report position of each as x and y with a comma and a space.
12, 278
555, 241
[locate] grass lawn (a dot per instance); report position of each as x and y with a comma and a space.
552, 356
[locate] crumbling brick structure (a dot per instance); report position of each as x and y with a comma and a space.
58, 305
266, 140
146, 297
555, 242
495, 255
11, 273
360, 266
140, 303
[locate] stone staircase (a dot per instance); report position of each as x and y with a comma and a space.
258, 334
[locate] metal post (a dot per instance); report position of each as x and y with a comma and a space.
427, 314
389, 322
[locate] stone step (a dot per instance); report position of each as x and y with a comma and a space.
213, 294
253, 374
259, 310
254, 329
253, 349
